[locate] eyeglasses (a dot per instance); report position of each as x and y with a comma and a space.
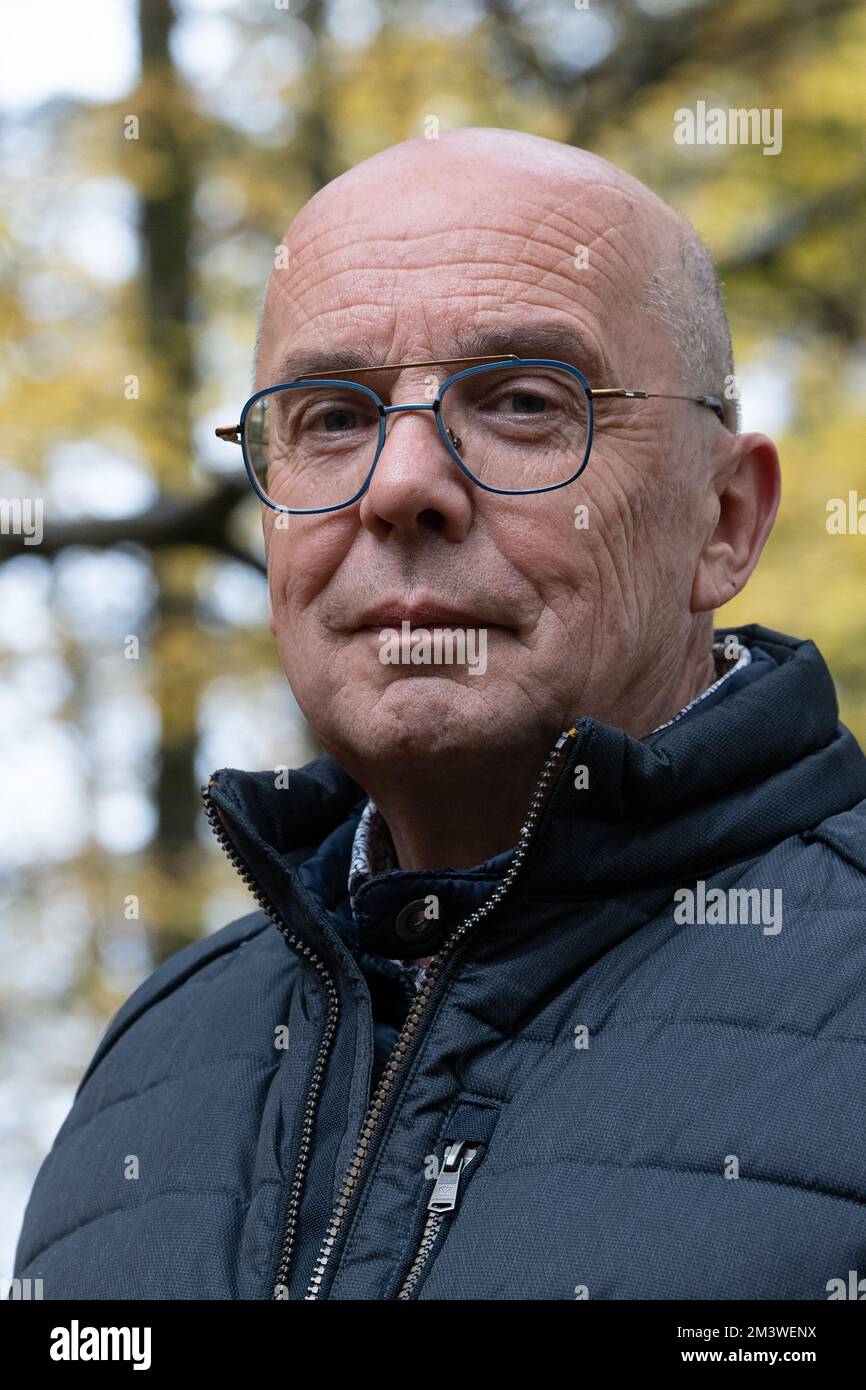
512, 425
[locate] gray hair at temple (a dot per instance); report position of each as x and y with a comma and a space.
260, 316
684, 296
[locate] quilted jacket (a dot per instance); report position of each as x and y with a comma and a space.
634, 1070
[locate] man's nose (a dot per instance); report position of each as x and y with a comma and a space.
417, 487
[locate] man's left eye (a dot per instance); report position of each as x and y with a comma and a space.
527, 403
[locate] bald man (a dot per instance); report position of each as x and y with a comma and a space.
554, 987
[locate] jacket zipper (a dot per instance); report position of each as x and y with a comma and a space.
332, 1012
442, 1203
408, 1032
432, 975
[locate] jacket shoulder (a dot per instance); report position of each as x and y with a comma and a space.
845, 833
170, 975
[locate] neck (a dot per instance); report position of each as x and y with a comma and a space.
462, 819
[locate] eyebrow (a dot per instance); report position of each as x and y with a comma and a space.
554, 340
296, 364
533, 339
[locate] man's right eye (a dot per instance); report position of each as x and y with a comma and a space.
342, 419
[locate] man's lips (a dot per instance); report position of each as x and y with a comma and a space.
427, 615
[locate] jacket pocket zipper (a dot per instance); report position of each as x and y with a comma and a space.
442, 1204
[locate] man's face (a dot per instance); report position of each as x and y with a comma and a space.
405, 259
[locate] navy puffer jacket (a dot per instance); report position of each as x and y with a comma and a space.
591, 1095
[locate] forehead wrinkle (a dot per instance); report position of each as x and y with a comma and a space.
627, 230
619, 264
623, 240
443, 275
419, 249
553, 233
376, 322
453, 176
458, 206
465, 213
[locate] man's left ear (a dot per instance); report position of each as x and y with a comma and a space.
748, 488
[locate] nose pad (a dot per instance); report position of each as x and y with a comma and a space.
455, 439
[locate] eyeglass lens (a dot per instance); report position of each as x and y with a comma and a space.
516, 429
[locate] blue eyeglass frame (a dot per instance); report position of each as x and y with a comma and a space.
235, 433
434, 405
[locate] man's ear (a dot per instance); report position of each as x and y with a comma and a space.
748, 488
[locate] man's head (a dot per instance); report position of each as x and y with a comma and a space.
417, 254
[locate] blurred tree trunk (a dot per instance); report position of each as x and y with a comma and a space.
165, 229
315, 136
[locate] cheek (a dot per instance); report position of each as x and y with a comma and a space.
594, 551
553, 543
302, 558
630, 509
571, 536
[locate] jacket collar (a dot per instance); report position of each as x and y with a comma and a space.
768, 762
738, 775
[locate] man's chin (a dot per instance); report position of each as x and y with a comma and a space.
412, 719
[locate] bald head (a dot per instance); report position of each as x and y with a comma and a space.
664, 260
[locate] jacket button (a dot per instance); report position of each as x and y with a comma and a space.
412, 925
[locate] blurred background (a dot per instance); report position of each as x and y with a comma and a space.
151, 156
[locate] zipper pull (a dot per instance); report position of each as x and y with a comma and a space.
446, 1187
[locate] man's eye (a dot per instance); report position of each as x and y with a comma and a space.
342, 419
319, 418
527, 403
511, 402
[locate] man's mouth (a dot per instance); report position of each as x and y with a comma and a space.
427, 615
428, 634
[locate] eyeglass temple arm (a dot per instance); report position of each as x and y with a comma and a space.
395, 366
711, 402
